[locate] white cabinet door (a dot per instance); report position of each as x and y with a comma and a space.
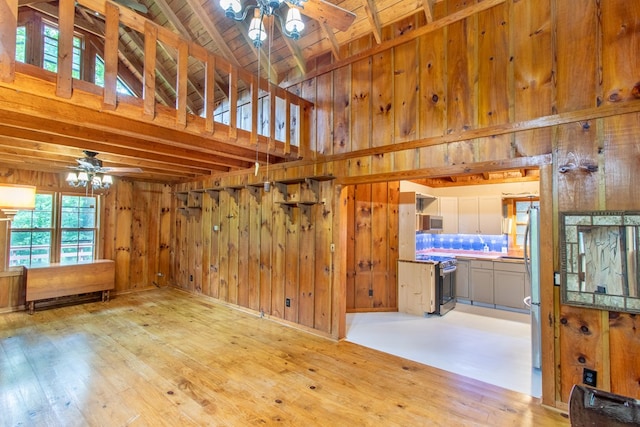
462, 280
480, 215
468, 215
449, 213
490, 215
481, 285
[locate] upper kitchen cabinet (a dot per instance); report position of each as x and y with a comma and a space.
448, 209
480, 215
410, 205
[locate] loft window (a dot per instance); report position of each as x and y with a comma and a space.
121, 86
21, 44
50, 51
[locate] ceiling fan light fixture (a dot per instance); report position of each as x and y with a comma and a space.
72, 178
83, 178
107, 181
257, 32
294, 24
231, 7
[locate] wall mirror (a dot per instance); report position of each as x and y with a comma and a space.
599, 259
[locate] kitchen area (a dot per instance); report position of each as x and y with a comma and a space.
467, 261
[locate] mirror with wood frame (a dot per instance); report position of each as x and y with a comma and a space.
600, 258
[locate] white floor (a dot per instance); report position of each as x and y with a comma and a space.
493, 346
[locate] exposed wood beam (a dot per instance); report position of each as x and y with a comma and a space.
51, 143
332, 15
210, 28
448, 171
331, 37
294, 49
372, 15
184, 32
427, 5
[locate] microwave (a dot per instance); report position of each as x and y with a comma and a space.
428, 222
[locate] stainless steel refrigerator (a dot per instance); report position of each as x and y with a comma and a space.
532, 262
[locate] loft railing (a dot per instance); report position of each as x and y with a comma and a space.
265, 109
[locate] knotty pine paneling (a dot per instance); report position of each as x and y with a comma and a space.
621, 147
291, 252
244, 285
350, 249
577, 50
266, 255
342, 110
122, 255
382, 112
432, 69
207, 236
306, 267
361, 100
214, 256
224, 242
253, 241
233, 265
494, 80
324, 259
582, 345
533, 92
324, 114
624, 347
279, 253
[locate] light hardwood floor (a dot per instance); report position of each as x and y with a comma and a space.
164, 357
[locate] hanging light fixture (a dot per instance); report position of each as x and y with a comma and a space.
291, 27
95, 181
14, 198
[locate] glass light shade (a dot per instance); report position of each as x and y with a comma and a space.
72, 178
231, 6
107, 180
96, 181
294, 24
83, 177
257, 33
16, 197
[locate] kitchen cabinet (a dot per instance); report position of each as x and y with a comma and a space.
409, 204
511, 284
480, 215
481, 281
462, 280
416, 287
448, 209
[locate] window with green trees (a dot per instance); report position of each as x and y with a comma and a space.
50, 51
21, 44
60, 229
121, 87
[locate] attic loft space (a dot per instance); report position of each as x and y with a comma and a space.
105, 60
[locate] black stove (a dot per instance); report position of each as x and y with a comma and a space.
445, 286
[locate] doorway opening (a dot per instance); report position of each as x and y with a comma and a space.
488, 344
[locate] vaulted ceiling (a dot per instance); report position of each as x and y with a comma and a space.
330, 28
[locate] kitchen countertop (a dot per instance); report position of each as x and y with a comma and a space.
479, 255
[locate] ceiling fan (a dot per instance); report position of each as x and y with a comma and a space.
133, 4
92, 165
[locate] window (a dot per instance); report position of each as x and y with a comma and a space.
21, 44
121, 87
521, 214
50, 51
31, 234
77, 229
38, 238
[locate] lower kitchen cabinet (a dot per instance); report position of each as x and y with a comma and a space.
481, 278
462, 280
416, 287
510, 284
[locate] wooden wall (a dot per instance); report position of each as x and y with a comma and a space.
567, 71
134, 231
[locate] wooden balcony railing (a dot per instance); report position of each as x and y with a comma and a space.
285, 117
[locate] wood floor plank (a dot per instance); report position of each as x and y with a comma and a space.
166, 357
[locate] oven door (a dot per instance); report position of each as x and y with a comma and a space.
447, 289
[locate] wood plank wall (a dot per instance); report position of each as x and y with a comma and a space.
518, 61
134, 231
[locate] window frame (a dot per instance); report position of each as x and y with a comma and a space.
57, 230
80, 49
512, 215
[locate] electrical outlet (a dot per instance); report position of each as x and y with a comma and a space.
590, 377
191, 278
370, 292
287, 302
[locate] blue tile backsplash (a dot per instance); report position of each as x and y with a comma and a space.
462, 242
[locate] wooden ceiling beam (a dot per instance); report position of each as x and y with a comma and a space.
372, 15
294, 49
331, 37
427, 5
56, 144
210, 28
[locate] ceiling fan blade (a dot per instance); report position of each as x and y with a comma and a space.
133, 4
328, 13
120, 170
